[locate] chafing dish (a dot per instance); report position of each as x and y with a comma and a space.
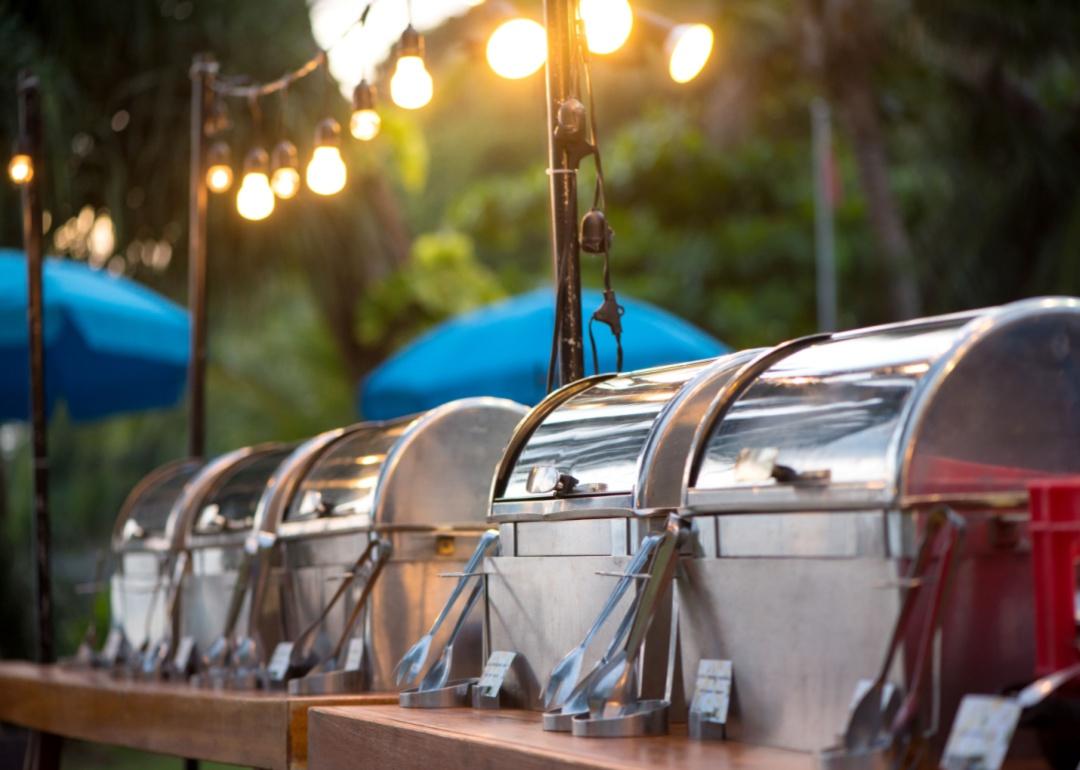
813, 479
573, 501
145, 540
415, 489
215, 515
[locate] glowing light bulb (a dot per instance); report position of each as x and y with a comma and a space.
607, 24
285, 179
365, 121
255, 199
689, 47
219, 174
20, 168
365, 124
285, 183
326, 172
517, 48
411, 87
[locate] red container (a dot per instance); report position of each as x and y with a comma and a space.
1055, 550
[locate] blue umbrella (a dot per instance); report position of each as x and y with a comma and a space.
503, 349
111, 345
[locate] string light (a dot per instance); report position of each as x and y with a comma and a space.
21, 168
689, 47
285, 176
411, 86
517, 48
607, 24
219, 173
255, 199
365, 122
326, 173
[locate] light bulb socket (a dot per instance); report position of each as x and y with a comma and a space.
257, 161
328, 133
217, 118
284, 156
218, 154
411, 43
363, 96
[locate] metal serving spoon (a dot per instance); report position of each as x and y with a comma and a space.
408, 668
565, 675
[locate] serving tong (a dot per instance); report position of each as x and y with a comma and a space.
335, 673
434, 691
879, 734
302, 654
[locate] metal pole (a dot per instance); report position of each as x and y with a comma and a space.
824, 240
30, 139
203, 69
43, 749
559, 18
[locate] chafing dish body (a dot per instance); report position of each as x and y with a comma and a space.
809, 489
216, 514
419, 483
144, 539
562, 541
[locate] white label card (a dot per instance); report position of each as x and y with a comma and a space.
279, 661
981, 733
495, 671
712, 690
113, 642
182, 659
354, 655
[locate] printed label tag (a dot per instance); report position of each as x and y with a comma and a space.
354, 655
279, 661
495, 672
981, 733
712, 690
113, 643
182, 659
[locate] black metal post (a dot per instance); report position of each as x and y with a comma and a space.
203, 69
30, 142
43, 749
559, 18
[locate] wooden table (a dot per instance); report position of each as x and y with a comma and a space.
348, 738
266, 730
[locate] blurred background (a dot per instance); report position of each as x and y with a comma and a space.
953, 169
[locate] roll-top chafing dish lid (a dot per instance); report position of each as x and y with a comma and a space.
962, 409
428, 471
218, 505
143, 521
599, 447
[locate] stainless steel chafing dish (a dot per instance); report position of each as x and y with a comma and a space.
812, 481
806, 480
215, 516
568, 499
401, 501
144, 540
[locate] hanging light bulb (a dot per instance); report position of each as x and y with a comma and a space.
20, 168
688, 47
607, 24
517, 48
255, 199
219, 174
326, 172
284, 177
411, 86
365, 121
